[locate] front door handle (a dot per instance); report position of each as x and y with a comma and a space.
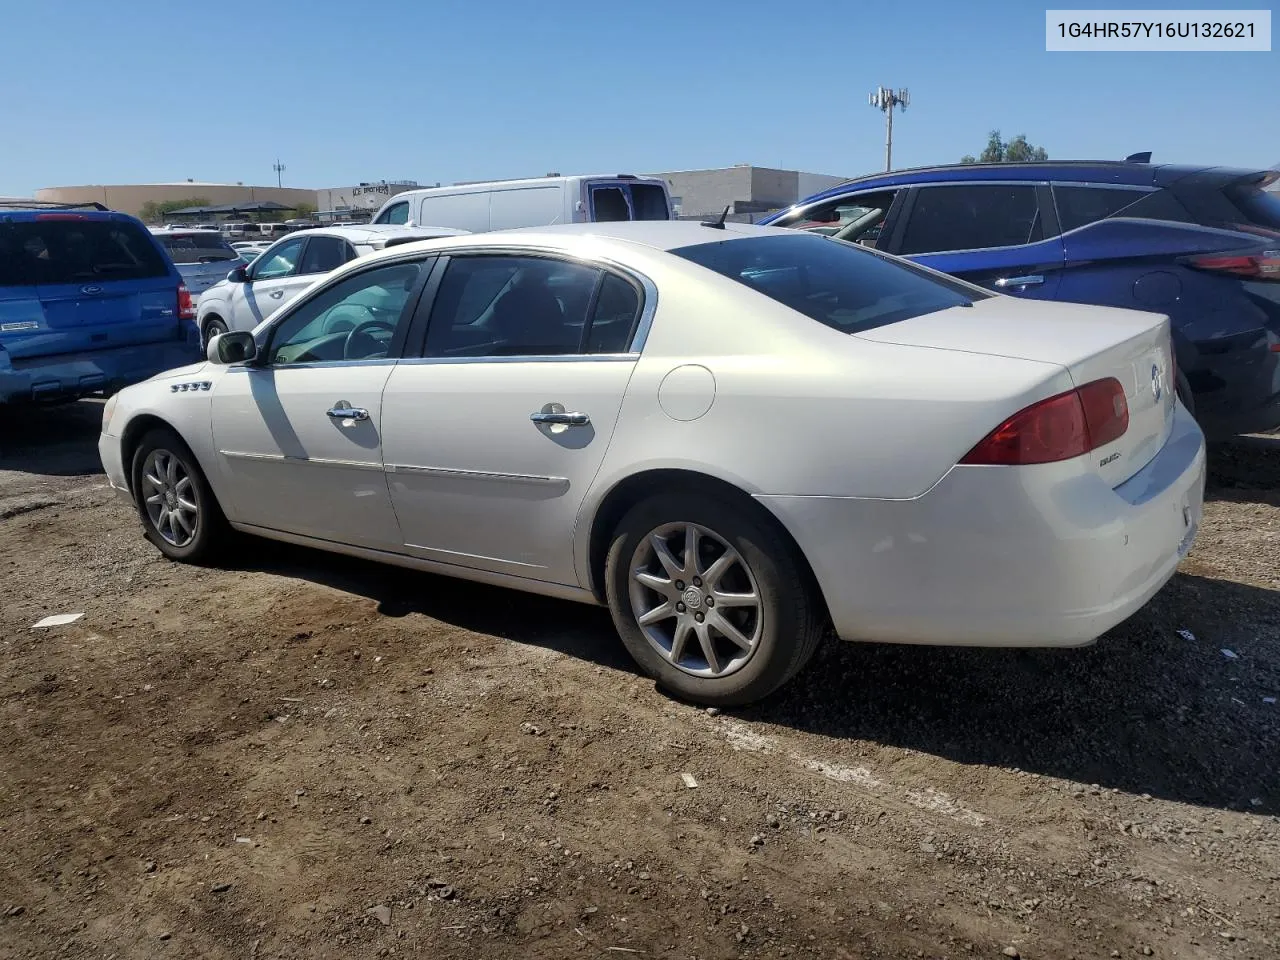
567, 419
348, 413
276, 294
1032, 280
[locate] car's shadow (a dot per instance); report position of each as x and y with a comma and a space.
1146, 710
1246, 470
52, 441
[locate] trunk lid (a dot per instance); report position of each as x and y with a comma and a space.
1092, 343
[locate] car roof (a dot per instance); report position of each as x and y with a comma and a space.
368, 232
662, 235
1120, 172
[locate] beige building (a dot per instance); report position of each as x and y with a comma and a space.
130, 198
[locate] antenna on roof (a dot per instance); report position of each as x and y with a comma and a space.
1138, 157
717, 224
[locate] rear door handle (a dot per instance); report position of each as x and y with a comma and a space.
347, 413
568, 419
1032, 280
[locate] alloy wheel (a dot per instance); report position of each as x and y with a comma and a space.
696, 600
169, 498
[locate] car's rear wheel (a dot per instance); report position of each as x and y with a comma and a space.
179, 512
212, 328
710, 599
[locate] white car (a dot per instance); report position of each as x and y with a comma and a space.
251, 293
730, 435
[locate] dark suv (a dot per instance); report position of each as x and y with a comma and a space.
1201, 244
89, 302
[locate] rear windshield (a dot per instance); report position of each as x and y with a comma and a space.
203, 246
649, 201
839, 284
76, 251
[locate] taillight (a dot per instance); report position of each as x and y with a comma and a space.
186, 309
1263, 265
1059, 428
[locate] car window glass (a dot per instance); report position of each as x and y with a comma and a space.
972, 217
858, 218
613, 321
199, 246
323, 254
510, 306
396, 213
1078, 206
280, 262
838, 284
609, 204
649, 201
355, 319
76, 251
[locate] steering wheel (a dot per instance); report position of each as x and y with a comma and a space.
362, 330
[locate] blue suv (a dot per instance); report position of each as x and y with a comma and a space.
89, 302
1200, 244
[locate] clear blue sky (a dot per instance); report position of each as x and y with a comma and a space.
120, 91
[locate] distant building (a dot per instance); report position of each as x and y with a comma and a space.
749, 192
131, 198
338, 203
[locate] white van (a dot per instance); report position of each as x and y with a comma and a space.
502, 204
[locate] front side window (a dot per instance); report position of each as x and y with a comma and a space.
396, 213
833, 282
355, 319
972, 217
1078, 206
58, 251
505, 306
324, 254
280, 262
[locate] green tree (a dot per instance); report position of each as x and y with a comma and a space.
305, 210
1014, 151
156, 211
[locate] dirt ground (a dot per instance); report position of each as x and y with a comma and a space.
309, 756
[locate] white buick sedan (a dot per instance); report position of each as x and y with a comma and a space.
732, 436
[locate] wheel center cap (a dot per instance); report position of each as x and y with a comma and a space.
692, 598
171, 499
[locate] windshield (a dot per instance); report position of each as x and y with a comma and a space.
841, 285
76, 251
202, 246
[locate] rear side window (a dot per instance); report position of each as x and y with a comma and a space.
1261, 208
324, 254
76, 251
1078, 206
972, 218
839, 284
200, 246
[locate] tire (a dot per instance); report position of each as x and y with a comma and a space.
212, 327
746, 555
186, 523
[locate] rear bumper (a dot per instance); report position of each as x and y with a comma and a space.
1004, 556
99, 371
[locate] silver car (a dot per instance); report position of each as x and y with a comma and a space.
203, 257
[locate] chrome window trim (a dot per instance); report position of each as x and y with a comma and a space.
318, 365
531, 358
648, 288
1104, 186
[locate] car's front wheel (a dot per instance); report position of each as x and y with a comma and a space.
178, 510
212, 328
711, 599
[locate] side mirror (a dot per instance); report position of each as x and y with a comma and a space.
239, 274
236, 346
